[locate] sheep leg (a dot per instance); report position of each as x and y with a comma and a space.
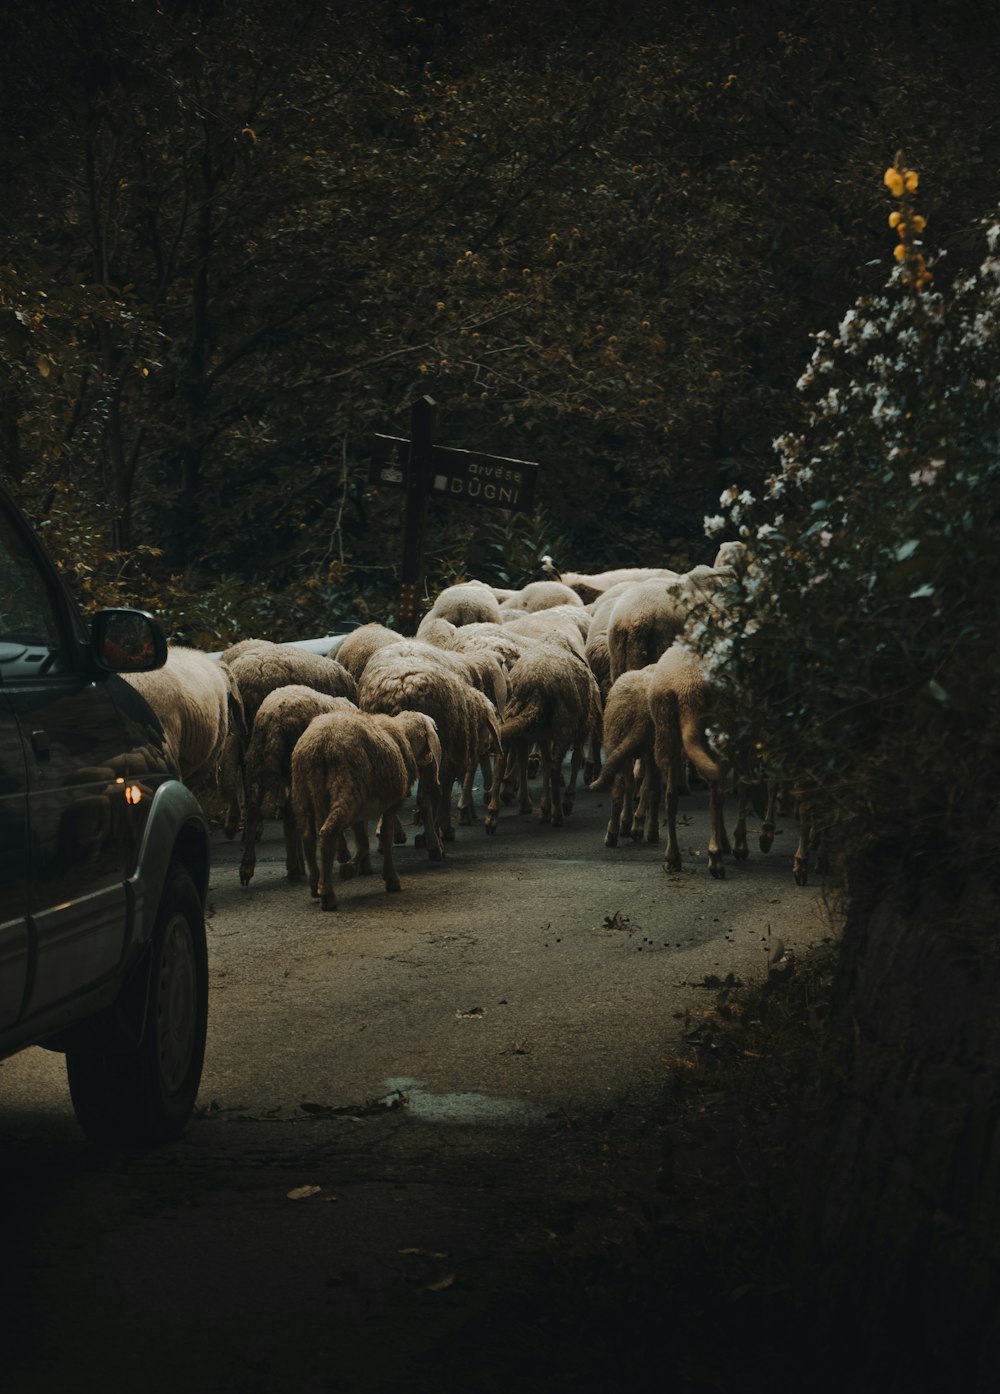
251, 822
362, 849
330, 834
294, 865
672, 852
524, 793
651, 794
551, 809
308, 834
508, 784
493, 803
466, 801
389, 875
718, 842
569, 792
770, 815
618, 800
348, 865
741, 848
428, 796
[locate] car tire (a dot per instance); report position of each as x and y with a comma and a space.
147, 1095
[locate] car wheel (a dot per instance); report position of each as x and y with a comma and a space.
147, 1095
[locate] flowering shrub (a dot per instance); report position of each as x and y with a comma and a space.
859, 655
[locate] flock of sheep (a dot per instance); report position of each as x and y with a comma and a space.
584, 668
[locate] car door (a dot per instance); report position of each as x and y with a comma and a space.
80, 843
13, 864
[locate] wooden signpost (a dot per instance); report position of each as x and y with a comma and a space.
424, 470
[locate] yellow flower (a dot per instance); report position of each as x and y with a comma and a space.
919, 223
893, 181
895, 218
899, 251
911, 181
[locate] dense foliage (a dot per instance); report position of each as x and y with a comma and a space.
860, 656
239, 238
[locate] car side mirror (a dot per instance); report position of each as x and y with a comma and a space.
127, 641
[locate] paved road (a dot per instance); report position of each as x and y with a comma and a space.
466, 1074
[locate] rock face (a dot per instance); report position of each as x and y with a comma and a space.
900, 1227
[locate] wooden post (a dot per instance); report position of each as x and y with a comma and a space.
423, 417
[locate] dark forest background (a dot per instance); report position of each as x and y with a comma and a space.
240, 238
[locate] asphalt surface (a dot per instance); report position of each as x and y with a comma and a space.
419, 1115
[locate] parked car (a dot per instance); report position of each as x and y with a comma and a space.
104, 858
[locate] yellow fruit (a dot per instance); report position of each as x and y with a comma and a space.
895, 217
911, 181
899, 251
893, 181
919, 223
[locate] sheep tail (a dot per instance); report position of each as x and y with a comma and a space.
614, 760
693, 742
524, 722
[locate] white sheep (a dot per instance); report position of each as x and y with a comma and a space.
628, 742
415, 676
555, 705
468, 602
348, 767
356, 648
591, 587
680, 702
539, 595
651, 615
200, 708
259, 666
281, 719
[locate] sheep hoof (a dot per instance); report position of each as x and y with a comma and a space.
246, 875
671, 864
610, 839
465, 818
742, 852
801, 873
328, 901
766, 841
348, 871
490, 828
435, 854
393, 885
718, 870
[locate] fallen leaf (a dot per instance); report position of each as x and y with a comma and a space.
302, 1192
427, 1253
441, 1283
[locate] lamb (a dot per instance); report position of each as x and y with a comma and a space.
281, 719
651, 615
680, 700
591, 587
347, 767
434, 629
200, 708
469, 602
259, 666
571, 620
416, 676
555, 703
628, 740
540, 595
357, 647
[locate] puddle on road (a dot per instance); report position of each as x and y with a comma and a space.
464, 1107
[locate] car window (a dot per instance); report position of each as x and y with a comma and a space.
31, 636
